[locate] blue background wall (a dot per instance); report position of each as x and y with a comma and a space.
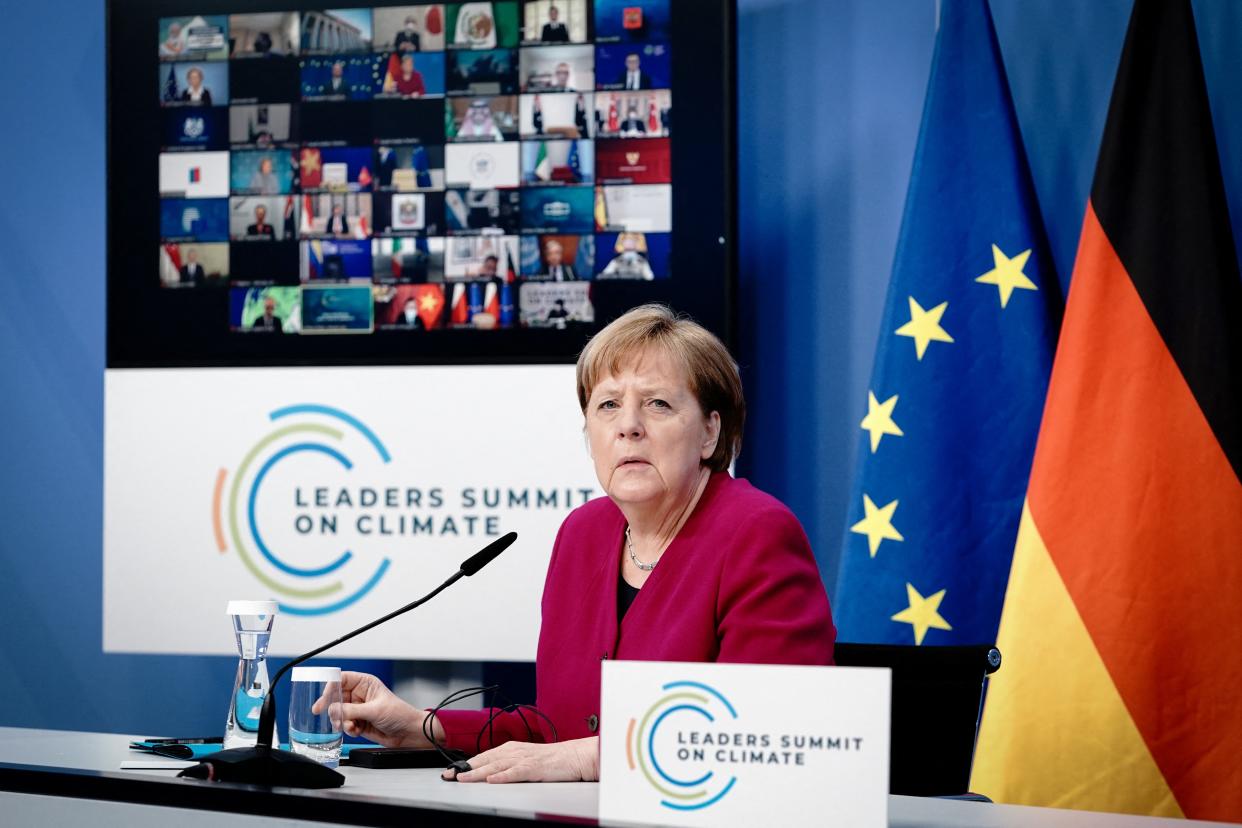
830, 98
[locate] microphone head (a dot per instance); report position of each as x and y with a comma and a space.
484, 556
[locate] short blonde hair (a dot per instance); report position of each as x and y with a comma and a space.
712, 374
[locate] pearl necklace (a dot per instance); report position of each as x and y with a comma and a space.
645, 567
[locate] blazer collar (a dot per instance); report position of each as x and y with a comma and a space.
671, 569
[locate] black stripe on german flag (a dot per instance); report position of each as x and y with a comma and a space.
1161, 202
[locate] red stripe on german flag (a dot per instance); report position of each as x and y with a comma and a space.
1141, 513
1129, 560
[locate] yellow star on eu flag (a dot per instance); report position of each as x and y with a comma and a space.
1007, 274
924, 326
877, 524
879, 419
923, 613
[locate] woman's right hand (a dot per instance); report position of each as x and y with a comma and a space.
372, 711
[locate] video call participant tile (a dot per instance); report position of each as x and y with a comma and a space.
631, 21
194, 83
274, 80
557, 163
558, 257
194, 219
633, 67
263, 125
264, 218
194, 37
551, 22
335, 215
410, 307
642, 208
409, 28
479, 166
407, 259
417, 121
265, 35
481, 25
340, 309
642, 256
472, 212
482, 119
643, 114
407, 75
409, 167
194, 264
409, 213
558, 209
197, 128
555, 304
557, 115
335, 260
194, 174
335, 31
338, 78
633, 161
337, 169
480, 257
265, 310
558, 69
262, 171
480, 73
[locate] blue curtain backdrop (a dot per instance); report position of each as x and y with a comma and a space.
830, 99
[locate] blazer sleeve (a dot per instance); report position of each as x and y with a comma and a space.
771, 606
462, 727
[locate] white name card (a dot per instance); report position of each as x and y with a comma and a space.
744, 744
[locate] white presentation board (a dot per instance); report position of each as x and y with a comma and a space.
341, 493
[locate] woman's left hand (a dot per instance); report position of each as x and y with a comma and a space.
574, 761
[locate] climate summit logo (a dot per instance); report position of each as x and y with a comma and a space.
682, 699
330, 585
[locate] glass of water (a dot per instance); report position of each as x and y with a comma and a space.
314, 714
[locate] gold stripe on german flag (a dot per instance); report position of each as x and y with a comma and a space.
1122, 626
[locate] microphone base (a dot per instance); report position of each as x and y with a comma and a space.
266, 766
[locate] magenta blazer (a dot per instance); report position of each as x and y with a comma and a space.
737, 584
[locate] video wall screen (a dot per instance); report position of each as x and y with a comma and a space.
453, 182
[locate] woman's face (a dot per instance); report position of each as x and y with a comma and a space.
647, 434
195, 78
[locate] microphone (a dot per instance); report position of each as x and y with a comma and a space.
264, 764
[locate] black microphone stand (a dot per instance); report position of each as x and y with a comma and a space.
265, 764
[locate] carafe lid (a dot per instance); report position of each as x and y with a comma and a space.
251, 608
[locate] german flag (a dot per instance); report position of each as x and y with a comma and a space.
1122, 624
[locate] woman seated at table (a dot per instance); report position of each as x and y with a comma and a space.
680, 562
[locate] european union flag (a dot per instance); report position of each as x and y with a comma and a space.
961, 368
575, 162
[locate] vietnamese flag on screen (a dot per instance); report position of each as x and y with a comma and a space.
1121, 688
430, 299
311, 167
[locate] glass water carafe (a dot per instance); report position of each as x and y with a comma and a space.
252, 627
